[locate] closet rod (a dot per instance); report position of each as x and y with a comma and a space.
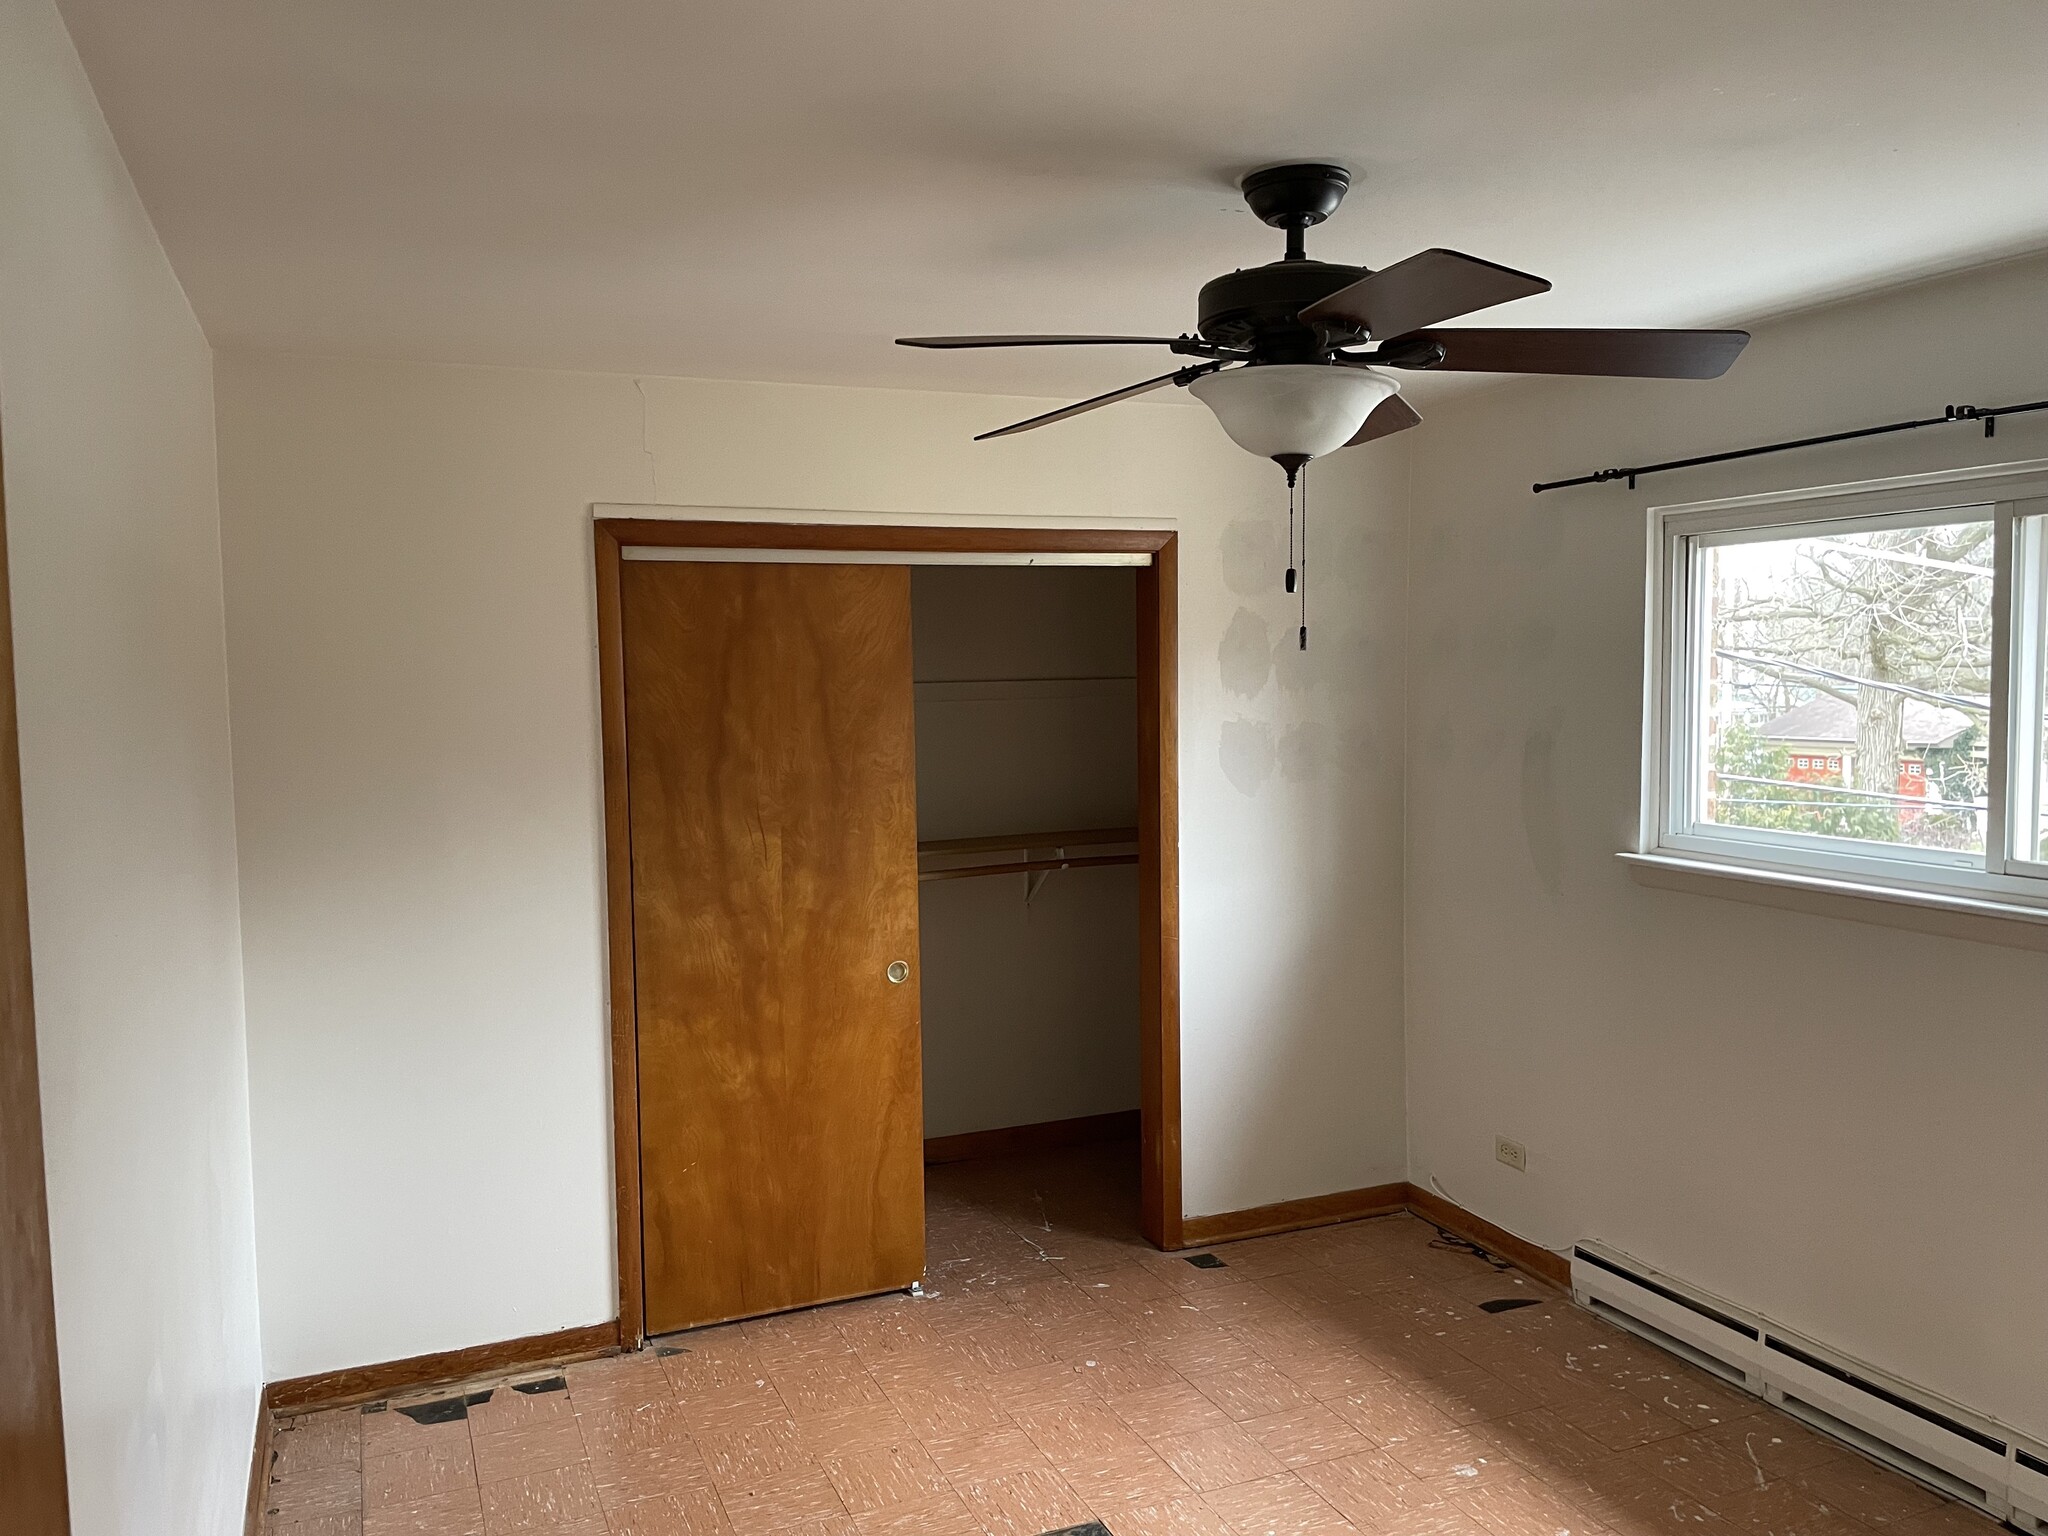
1000, 841
1024, 867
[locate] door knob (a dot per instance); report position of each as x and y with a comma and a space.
899, 971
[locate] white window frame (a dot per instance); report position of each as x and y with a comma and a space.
2015, 497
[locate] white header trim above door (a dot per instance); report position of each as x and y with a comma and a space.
841, 517
878, 556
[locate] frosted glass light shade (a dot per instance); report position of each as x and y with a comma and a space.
1274, 409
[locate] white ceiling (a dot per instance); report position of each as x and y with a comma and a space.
775, 189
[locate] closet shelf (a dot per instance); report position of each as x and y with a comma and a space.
1026, 843
1025, 867
1088, 836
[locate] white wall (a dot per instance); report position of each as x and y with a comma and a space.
1026, 722
114, 541
1839, 1124
411, 647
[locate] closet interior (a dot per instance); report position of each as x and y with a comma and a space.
1028, 897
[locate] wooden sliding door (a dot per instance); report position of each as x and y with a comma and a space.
773, 831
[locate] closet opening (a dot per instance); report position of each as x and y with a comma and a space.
843, 758
1025, 681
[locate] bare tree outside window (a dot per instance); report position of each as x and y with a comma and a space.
1846, 689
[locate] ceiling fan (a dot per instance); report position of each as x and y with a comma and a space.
1290, 352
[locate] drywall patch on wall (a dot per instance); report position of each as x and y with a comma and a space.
1253, 556
1248, 754
1244, 657
1300, 752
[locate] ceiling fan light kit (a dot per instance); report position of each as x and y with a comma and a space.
1291, 351
1297, 411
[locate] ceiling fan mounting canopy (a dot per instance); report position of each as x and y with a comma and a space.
1296, 196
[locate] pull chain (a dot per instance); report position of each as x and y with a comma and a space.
1304, 557
1290, 533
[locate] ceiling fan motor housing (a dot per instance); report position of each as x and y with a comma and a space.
1256, 308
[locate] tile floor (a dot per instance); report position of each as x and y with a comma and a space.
1345, 1380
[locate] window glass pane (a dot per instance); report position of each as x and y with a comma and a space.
2039, 853
1842, 683
2030, 690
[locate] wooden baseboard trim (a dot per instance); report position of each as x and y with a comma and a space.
1379, 1200
1117, 1125
1551, 1268
365, 1383
259, 1466
1294, 1215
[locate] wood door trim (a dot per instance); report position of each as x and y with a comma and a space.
618, 843
1158, 818
1160, 1208
34, 1497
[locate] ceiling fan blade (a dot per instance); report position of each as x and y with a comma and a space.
1617, 354
1432, 286
1035, 341
1391, 415
1179, 376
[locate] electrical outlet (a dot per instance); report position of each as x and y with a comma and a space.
1513, 1153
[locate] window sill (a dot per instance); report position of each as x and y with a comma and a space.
1950, 914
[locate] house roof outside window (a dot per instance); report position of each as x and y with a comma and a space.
1825, 720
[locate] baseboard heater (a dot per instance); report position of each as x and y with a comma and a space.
1942, 1444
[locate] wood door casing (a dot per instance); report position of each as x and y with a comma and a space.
34, 1497
770, 757
1158, 864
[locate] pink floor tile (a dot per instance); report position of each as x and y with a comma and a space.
1325, 1383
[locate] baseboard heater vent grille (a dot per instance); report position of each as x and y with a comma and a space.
1711, 1364
1885, 1394
1939, 1443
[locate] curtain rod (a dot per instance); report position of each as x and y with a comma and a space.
1988, 414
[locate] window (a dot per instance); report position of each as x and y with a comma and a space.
1854, 682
